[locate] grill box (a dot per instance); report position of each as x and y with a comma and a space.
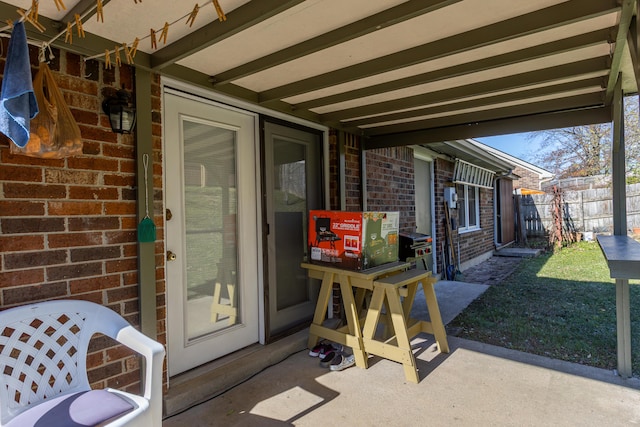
353, 240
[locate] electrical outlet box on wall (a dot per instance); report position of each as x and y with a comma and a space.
451, 197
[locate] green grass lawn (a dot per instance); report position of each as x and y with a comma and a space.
560, 305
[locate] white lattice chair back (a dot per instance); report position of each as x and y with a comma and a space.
43, 352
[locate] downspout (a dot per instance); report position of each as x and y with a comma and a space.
146, 251
342, 186
363, 176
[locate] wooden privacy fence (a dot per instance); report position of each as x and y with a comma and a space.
582, 210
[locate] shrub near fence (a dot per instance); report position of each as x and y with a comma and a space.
583, 210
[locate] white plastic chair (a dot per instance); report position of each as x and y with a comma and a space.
43, 378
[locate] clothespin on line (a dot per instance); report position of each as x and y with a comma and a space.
68, 38
107, 59
219, 11
60, 5
152, 35
25, 17
117, 56
99, 11
192, 16
79, 25
164, 33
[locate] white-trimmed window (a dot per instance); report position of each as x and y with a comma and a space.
468, 207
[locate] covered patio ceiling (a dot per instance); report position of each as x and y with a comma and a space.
396, 72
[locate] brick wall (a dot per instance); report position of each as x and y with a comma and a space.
390, 183
528, 179
473, 243
68, 226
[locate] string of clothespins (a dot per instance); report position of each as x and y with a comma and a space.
129, 49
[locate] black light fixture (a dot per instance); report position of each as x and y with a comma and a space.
121, 113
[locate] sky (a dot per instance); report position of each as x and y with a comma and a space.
517, 145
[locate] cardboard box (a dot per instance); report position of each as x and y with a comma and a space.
353, 240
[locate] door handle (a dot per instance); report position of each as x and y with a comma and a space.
171, 256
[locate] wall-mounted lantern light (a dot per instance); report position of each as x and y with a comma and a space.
121, 113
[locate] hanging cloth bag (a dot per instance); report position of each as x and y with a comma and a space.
54, 133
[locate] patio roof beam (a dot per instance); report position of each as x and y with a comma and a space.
626, 15
386, 18
523, 95
537, 122
515, 81
531, 53
544, 19
245, 16
558, 104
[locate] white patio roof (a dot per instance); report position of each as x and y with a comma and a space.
431, 70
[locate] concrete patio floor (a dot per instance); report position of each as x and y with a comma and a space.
474, 385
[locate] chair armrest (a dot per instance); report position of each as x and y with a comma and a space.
153, 353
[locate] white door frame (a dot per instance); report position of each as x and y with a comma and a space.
196, 92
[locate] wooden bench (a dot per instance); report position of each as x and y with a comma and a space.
398, 347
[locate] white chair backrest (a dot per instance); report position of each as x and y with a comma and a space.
43, 350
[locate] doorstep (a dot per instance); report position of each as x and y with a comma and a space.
207, 381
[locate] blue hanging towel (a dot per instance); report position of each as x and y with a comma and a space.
18, 103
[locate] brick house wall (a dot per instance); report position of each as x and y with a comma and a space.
68, 226
352, 185
528, 179
390, 184
472, 243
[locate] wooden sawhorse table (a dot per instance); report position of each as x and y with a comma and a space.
389, 290
361, 281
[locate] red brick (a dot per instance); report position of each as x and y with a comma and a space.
94, 284
71, 271
103, 134
32, 225
95, 253
20, 173
96, 297
93, 163
21, 243
122, 294
21, 277
18, 260
121, 237
90, 147
118, 151
120, 208
66, 240
20, 159
94, 223
120, 180
121, 265
21, 207
59, 176
34, 191
75, 208
130, 379
93, 193
25, 294
105, 371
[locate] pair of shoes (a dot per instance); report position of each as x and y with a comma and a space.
326, 360
323, 348
342, 361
